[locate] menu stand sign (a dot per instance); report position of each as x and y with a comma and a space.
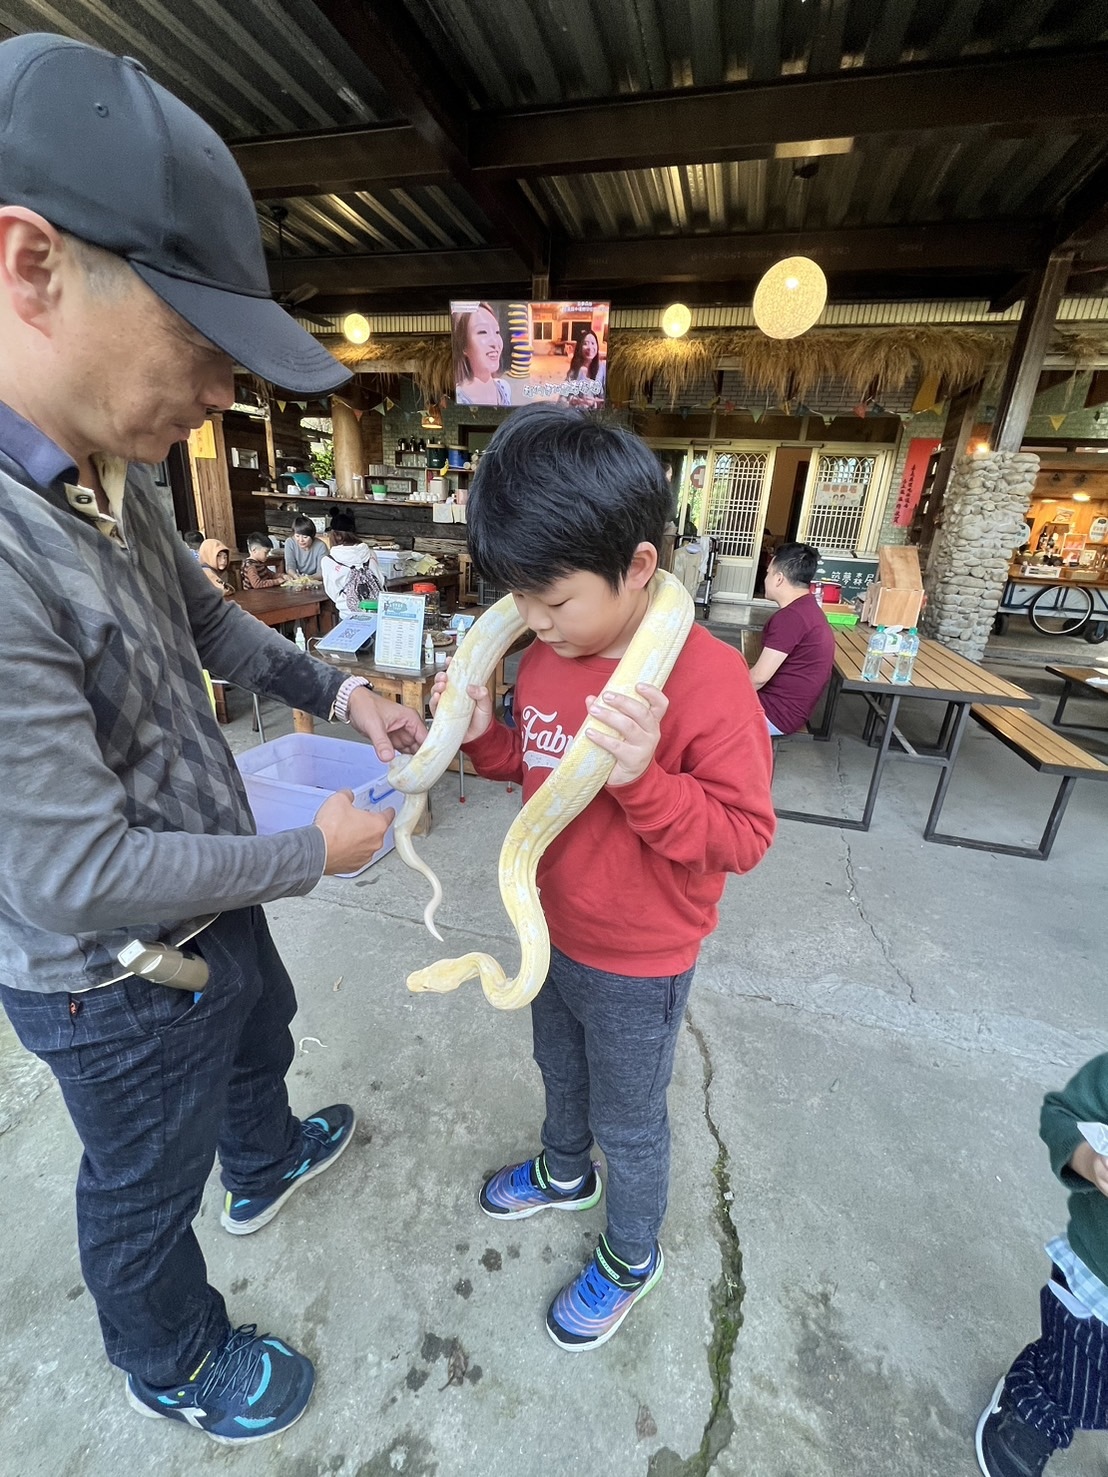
400, 632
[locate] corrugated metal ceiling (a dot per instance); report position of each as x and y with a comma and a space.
422, 218
248, 66
953, 176
514, 53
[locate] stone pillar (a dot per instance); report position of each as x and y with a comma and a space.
347, 434
983, 516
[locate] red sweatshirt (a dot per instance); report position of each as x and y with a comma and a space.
632, 885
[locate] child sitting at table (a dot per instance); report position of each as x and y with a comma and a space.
256, 571
568, 514
304, 551
215, 560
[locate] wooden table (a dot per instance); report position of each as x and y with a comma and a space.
1090, 681
309, 609
939, 676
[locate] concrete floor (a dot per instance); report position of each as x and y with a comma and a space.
859, 1195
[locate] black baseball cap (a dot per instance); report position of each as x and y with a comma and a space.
93, 144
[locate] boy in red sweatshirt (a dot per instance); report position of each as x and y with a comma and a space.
568, 514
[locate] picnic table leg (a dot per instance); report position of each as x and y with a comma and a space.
879, 763
950, 754
1058, 810
1067, 693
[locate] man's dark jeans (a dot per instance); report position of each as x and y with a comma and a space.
155, 1082
604, 1044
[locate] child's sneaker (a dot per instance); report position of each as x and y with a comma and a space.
588, 1311
524, 1189
1006, 1445
253, 1387
324, 1136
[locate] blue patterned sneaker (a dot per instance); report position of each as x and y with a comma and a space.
325, 1135
521, 1190
589, 1309
253, 1387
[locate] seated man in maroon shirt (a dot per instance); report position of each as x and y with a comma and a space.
798, 646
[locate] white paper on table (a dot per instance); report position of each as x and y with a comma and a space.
1095, 1134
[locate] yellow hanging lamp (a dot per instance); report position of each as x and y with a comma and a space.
790, 297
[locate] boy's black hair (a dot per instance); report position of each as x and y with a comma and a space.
557, 492
303, 524
797, 563
259, 539
194, 538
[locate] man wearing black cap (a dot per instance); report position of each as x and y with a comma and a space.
134, 955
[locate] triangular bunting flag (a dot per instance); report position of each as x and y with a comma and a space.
389, 404
281, 405
380, 409
1056, 421
927, 395
729, 406
859, 410
358, 413
756, 415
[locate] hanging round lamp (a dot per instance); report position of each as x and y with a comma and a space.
790, 297
355, 327
676, 320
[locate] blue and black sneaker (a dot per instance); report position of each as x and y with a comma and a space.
324, 1136
521, 1190
253, 1387
589, 1309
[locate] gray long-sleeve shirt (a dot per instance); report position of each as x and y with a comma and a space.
123, 813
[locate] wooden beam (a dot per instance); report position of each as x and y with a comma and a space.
708, 267
745, 121
387, 41
1038, 90
336, 161
1008, 245
1025, 362
1085, 214
479, 269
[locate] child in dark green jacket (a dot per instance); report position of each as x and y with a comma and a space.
1060, 1382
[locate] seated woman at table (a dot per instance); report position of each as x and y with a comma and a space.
303, 551
215, 560
350, 571
256, 571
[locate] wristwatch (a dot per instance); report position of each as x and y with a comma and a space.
340, 713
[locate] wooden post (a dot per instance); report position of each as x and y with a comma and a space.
212, 484
960, 416
1026, 360
348, 446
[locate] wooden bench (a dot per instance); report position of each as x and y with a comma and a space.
1089, 681
1044, 750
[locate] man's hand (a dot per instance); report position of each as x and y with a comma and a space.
353, 836
387, 725
482, 711
1090, 1166
638, 729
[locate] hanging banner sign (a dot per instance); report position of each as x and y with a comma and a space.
919, 456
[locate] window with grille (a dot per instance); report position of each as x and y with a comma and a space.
839, 500
735, 500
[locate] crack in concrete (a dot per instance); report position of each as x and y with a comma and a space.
726, 1305
879, 939
853, 894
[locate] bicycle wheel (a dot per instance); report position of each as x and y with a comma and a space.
1096, 632
1059, 610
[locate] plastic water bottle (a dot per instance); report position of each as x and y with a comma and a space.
300, 639
875, 651
906, 656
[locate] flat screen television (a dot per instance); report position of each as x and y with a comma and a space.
510, 353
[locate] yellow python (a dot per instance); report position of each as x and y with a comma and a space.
582, 773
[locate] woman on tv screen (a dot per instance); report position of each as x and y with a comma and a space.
586, 364
478, 346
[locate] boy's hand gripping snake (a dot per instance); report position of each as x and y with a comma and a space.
580, 776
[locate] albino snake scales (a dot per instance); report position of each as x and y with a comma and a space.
582, 773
